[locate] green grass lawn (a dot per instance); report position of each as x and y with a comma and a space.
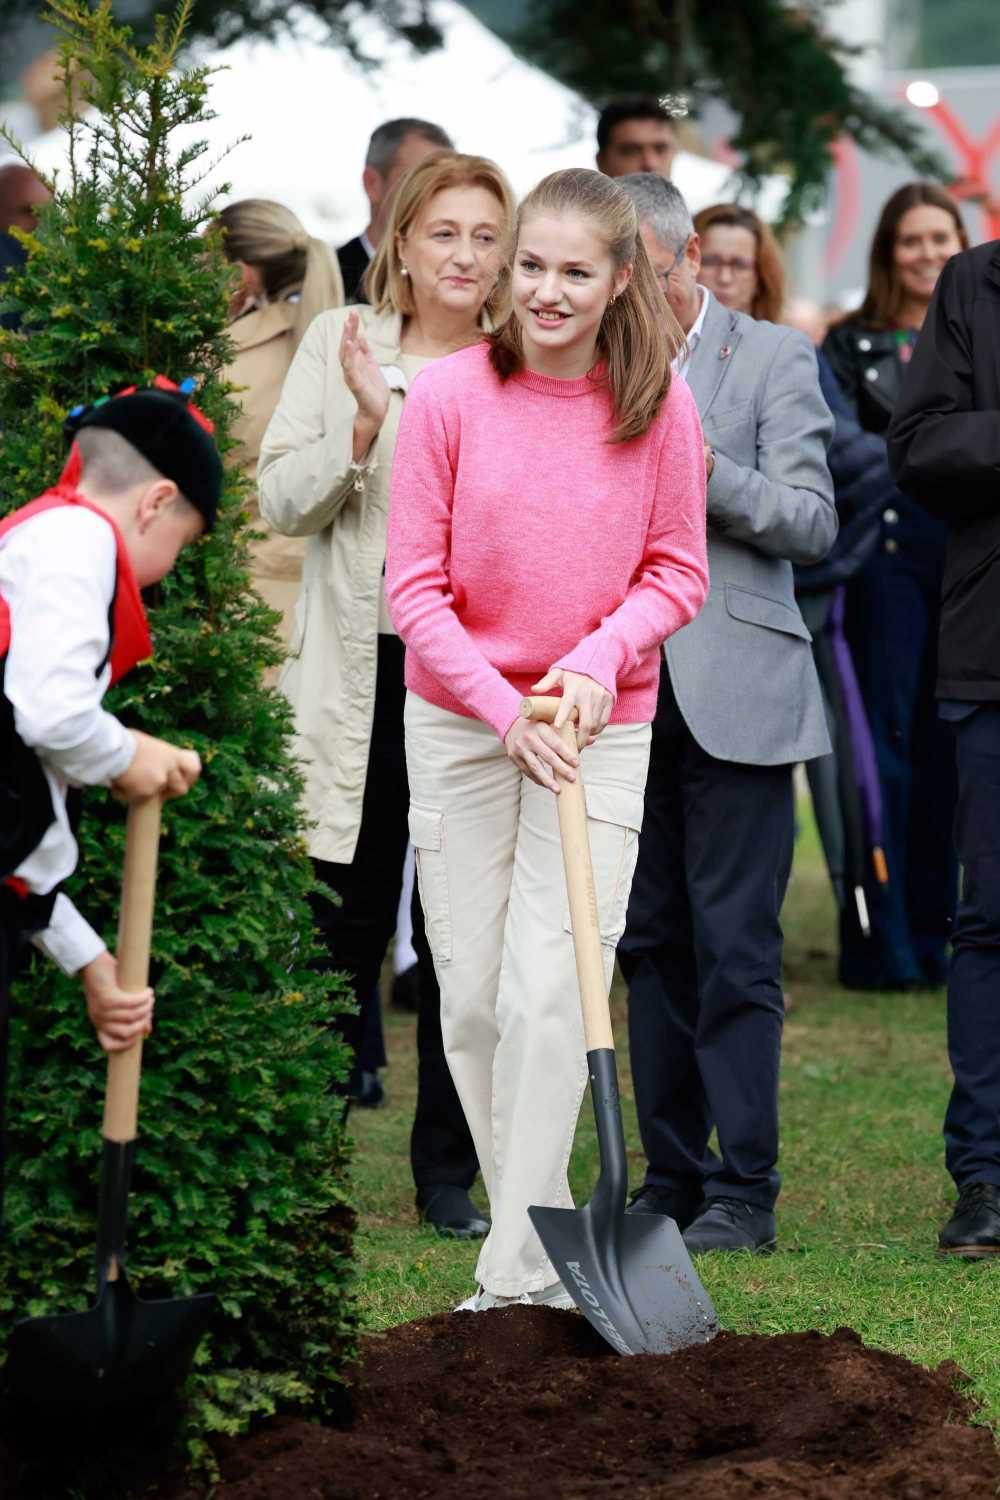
864, 1085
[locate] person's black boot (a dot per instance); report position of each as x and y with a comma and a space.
676, 1206
451, 1212
973, 1231
731, 1224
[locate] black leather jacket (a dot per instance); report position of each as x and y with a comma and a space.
870, 373
869, 370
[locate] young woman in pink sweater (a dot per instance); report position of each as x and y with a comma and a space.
546, 534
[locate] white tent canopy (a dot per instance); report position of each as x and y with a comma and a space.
309, 111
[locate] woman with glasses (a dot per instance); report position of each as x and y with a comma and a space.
740, 261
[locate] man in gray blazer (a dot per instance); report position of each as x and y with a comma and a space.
739, 704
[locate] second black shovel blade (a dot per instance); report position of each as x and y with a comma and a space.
121, 1352
631, 1275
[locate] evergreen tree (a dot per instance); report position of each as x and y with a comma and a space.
240, 1179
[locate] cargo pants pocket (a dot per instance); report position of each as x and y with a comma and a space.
614, 819
427, 838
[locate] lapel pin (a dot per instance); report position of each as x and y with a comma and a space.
725, 351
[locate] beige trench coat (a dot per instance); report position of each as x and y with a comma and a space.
310, 487
262, 341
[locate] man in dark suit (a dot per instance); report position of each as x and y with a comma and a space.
739, 704
394, 148
944, 450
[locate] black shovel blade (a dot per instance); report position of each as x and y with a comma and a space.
632, 1278
630, 1274
121, 1353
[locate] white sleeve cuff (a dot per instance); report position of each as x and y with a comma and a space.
68, 940
105, 755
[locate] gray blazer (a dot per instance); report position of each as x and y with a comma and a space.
742, 671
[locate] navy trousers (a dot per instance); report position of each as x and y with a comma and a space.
972, 1123
702, 957
892, 625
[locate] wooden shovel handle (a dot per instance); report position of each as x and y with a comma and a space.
572, 806
135, 932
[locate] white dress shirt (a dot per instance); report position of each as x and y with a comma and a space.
695, 332
57, 576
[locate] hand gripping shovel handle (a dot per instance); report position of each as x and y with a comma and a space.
572, 807
121, 1095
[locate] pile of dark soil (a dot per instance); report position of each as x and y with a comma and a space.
529, 1404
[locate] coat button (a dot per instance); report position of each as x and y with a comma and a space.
892, 545
890, 517
864, 345
871, 373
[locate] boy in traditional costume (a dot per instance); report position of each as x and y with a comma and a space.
142, 480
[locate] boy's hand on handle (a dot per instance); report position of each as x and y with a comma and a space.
592, 702
538, 751
158, 769
119, 1018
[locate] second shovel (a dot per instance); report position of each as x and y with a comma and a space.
630, 1274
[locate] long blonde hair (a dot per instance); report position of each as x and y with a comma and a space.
386, 288
639, 335
271, 238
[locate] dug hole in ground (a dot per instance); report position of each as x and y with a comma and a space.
530, 1404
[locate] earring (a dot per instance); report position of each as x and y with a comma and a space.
614, 299
403, 271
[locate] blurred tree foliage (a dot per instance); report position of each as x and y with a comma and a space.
774, 63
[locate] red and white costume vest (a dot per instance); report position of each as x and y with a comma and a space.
26, 810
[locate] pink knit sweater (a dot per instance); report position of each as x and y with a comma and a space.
520, 539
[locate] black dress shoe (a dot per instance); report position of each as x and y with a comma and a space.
973, 1231
366, 1090
451, 1212
651, 1200
731, 1224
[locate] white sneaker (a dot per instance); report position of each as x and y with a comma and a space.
555, 1295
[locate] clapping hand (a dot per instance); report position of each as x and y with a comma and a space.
363, 378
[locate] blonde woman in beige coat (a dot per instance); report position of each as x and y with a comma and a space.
287, 278
325, 466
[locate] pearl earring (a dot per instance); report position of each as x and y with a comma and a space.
403, 271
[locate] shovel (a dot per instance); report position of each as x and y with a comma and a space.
630, 1274
124, 1352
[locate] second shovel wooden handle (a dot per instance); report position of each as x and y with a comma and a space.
135, 933
583, 913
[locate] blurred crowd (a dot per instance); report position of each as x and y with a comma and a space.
818, 644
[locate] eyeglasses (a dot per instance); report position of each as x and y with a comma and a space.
737, 265
663, 277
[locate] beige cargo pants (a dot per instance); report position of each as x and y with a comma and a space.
489, 866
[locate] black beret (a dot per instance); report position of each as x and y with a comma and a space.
170, 434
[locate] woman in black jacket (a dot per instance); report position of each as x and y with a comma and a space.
892, 616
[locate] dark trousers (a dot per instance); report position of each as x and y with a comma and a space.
702, 958
892, 624
972, 1123
357, 933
